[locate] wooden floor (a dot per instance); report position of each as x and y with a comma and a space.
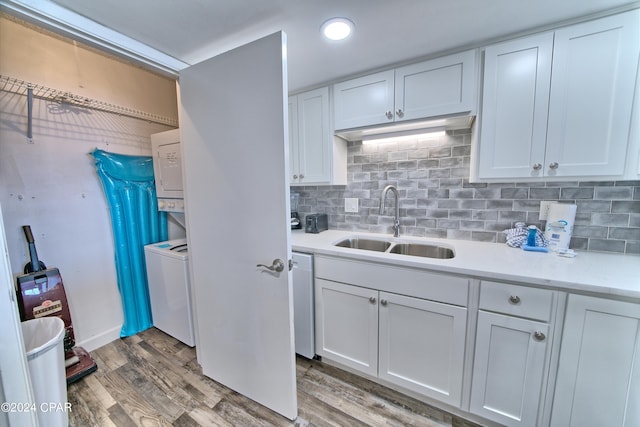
152, 379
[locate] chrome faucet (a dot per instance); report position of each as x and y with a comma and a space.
396, 219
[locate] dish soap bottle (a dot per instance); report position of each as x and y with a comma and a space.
531, 237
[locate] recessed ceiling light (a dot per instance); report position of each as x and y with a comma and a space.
337, 28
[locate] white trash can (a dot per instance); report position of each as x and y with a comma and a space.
43, 339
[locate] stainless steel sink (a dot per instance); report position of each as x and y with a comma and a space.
366, 244
422, 250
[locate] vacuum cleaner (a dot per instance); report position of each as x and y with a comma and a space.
41, 293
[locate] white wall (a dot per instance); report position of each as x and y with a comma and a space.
51, 184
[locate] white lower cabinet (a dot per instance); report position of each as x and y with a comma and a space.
421, 346
411, 342
507, 370
598, 381
511, 353
347, 325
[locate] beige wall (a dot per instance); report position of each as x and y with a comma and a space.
50, 182
41, 58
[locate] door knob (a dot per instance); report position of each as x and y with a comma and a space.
277, 266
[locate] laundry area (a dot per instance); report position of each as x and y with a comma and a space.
55, 119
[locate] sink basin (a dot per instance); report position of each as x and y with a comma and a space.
418, 249
366, 244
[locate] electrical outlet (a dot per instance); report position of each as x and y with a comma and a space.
350, 205
544, 209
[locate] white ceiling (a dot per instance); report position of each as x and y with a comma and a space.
386, 31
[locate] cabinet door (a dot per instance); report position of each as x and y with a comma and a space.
598, 382
347, 325
508, 369
364, 101
594, 73
517, 77
314, 137
422, 346
293, 140
437, 87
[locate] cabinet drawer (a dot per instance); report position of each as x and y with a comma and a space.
521, 301
399, 280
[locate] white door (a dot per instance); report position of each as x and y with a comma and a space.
508, 368
233, 119
15, 385
599, 372
364, 101
422, 346
314, 137
594, 75
437, 87
347, 325
517, 77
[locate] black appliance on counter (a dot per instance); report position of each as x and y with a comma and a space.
296, 224
315, 223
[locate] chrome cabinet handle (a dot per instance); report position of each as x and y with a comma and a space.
389, 115
372, 300
400, 113
295, 176
538, 336
553, 165
383, 302
277, 266
301, 176
514, 299
537, 166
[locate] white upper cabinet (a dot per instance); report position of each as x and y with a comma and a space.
364, 101
559, 104
594, 75
437, 87
314, 156
515, 103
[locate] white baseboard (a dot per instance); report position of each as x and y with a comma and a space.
99, 340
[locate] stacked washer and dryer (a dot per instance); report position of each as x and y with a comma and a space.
167, 262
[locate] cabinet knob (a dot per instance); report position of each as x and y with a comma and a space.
538, 336
537, 166
553, 165
400, 113
514, 299
372, 300
295, 176
301, 176
383, 301
389, 115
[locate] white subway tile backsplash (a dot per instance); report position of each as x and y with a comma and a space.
437, 200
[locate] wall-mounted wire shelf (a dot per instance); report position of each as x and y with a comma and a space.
21, 87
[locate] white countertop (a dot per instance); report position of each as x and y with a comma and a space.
593, 272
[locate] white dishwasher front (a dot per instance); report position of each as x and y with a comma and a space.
303, 307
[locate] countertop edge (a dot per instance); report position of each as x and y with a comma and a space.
483, 261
